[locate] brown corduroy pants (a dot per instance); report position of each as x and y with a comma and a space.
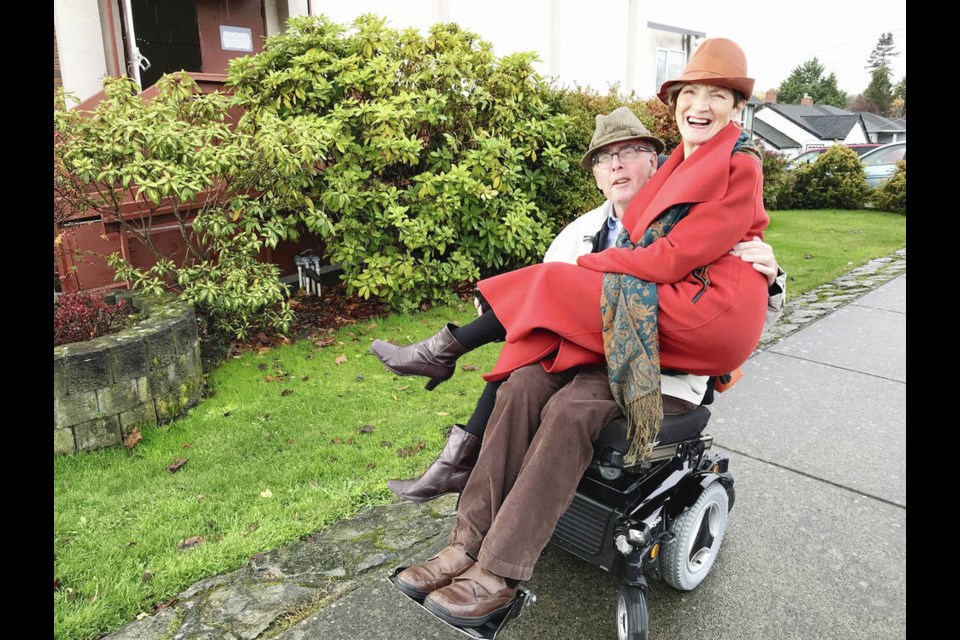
537, 445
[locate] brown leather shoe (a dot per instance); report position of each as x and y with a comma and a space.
472, 598
448, 473
421, 579
434, 358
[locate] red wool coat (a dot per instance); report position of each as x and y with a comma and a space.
704, 329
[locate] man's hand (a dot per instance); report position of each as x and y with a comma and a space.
761, 255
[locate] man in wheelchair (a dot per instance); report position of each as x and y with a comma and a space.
541, 439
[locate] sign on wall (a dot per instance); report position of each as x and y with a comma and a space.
236, 38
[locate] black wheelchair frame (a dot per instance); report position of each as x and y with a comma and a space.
664, 517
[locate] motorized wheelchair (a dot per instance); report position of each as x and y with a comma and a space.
664, 516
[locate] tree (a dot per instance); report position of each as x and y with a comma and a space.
807, 79
898, 108
880, 92
882, 53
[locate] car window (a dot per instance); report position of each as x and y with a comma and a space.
885, 156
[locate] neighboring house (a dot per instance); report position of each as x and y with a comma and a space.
794, 128
884, 130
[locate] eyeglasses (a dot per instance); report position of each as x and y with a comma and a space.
627, 154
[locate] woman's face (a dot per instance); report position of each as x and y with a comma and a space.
703, 111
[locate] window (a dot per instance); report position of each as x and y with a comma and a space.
669, 65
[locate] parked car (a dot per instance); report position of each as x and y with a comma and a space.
880, 164
811, 156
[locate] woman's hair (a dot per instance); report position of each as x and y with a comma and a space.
674, 91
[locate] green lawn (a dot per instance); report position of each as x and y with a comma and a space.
815, 247
291, 441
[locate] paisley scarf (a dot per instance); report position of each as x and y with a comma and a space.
630, 332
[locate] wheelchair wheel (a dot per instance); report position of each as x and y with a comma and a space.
632, 614
687, 560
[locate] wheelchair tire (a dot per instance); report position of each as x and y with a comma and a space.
688, 558
633, 618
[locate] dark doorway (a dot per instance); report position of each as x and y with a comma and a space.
166, 35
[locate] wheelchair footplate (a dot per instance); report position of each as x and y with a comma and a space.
490, 628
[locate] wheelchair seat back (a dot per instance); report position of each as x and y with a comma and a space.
611, 445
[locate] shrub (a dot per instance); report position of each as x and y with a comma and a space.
84, 316
891, 195
778, 183
439, 156
835, 180
174, 160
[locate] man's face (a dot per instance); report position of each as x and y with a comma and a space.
619, 180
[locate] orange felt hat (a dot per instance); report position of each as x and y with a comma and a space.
717, 61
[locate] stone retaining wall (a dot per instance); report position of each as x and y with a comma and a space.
146, 375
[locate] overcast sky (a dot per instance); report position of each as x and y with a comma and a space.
778, 37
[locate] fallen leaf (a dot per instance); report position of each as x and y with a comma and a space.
807, 256
325, 342
201, 497
286, 392
336, 441
469, 367
367, 428
176, 464
289, 440
371, 466
147, 576
304, 378
359, 378
187, 445
386, 443
132, 543
132, 438
253, 526
340, 359
372, 325
227, 414
261, 366
191, 542
56, 584
269, 378
266, 493
409, 451
161, 607
442, 413
142, 615
403, 388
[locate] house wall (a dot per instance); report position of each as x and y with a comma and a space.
576, 43
857, 135
80, 45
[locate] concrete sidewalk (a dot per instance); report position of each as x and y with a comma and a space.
815, 546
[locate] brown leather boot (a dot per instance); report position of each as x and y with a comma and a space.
434, 358
472, 598
421, 579
448, 473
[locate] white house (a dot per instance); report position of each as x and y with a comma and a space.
577, 44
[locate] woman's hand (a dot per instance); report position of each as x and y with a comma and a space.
761, 255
